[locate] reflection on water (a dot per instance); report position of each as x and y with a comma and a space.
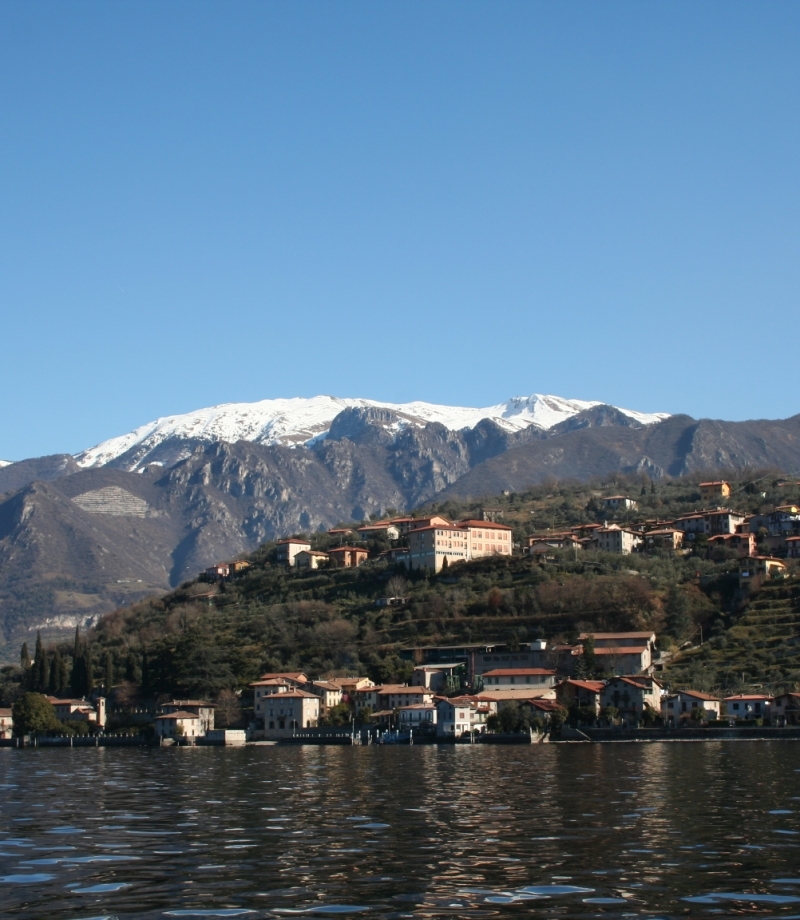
624, 830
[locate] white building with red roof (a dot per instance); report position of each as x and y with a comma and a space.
681, 705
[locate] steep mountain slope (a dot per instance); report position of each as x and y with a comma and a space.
15, 476
674, 447
76, 545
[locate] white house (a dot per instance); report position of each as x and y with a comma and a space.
419, 716
748, 706
680, 705
178, 725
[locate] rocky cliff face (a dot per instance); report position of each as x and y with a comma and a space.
87, 540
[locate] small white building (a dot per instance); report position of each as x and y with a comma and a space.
617, 502
201, 708
287, 550
748, 706
680, 705
454, 717
418, 716
178, 725
310, 559
6, 723
615, 539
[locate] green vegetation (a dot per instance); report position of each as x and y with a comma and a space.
33, 712
211, 639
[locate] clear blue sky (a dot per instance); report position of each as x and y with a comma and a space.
204, 202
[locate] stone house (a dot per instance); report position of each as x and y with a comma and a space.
289, 711
631, 696
201, 708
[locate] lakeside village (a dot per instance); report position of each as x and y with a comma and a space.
484, 692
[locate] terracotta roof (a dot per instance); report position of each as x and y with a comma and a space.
718, 482
418, 706
622, 650
629, 680
748, 696
293, 540
545, 705
593, 686
295, 695
698, 695
348, 549
179, 715
486, 525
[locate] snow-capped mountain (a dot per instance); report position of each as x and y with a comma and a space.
296, 422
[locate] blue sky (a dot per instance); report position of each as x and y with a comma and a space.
456, 202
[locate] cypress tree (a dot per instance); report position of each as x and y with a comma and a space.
109, 676
55, 670
62, 678
40, 672
45, 673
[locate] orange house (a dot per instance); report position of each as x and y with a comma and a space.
347, 557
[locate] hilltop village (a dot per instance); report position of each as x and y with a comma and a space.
450, 690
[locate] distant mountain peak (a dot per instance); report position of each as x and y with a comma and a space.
297, 422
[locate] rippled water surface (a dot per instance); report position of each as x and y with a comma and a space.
619, 830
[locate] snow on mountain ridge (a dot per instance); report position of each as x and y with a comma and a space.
296, 421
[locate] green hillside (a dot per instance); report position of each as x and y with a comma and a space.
205, 638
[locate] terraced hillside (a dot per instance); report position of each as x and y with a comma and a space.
760, 646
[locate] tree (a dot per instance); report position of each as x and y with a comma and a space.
41, 671
229, 709
133, 672
587, 663
33, 712
610, 714
62, 678
24, 657
677, 607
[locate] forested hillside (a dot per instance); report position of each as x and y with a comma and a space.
206, 637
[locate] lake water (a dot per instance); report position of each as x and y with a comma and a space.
604, 830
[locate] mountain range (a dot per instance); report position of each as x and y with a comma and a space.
140, 513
